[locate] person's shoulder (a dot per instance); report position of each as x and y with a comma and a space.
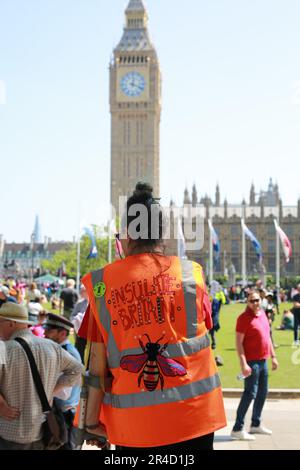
189, 264
45, 343
70, 348
93, 274
244, 316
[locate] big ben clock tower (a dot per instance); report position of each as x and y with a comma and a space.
135, 106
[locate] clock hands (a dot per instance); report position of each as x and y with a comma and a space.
135, 84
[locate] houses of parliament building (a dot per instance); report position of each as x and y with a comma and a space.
258, 212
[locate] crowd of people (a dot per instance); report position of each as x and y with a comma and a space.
147, 318
23, 314
27, 312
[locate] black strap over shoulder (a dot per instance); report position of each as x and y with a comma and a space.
36, 376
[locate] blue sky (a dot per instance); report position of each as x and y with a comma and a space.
231, 104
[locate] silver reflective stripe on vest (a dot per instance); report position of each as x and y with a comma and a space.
189, 347
189, 290
159, 397
113, 353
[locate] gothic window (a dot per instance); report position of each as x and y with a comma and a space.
137, 59
141, 138
124, 133
271, 229
271, 246
271, 264
289, 230
236, 263
124, 165
142, 59
129, 131
234, 246
290, 266
235, 232
133, 59
137, 133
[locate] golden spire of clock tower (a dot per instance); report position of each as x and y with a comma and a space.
136, 15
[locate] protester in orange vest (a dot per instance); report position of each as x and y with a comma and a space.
151, 314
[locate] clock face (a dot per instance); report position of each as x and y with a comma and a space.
133, 84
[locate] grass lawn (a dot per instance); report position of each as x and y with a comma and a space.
286, 376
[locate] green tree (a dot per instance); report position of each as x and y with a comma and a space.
69, 257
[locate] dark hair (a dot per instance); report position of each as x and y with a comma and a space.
151, 234
251, 292
58, 328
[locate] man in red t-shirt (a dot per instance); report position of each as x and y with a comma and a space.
254, 347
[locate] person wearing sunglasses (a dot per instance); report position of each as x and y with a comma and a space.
254, 348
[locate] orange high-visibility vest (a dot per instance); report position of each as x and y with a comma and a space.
150, 312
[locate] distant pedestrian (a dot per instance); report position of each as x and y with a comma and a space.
296, 312
32, 293
5, 295
68, 299
270, 312
81, 305
218, 299
287, 322
254, 347
77, 317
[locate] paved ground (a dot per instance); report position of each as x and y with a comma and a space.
282, 416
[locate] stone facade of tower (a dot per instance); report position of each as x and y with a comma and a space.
135, 106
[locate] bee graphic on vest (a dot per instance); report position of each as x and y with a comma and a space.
153, 364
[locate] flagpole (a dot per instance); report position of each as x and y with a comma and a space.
109, 242
179, 254
78, 256
277, 260
244, 274
211, 260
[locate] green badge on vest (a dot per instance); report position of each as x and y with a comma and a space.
99, 289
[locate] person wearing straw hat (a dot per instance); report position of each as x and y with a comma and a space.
21, 421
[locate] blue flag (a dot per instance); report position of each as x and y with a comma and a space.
215, 241
253, 239
90, 233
